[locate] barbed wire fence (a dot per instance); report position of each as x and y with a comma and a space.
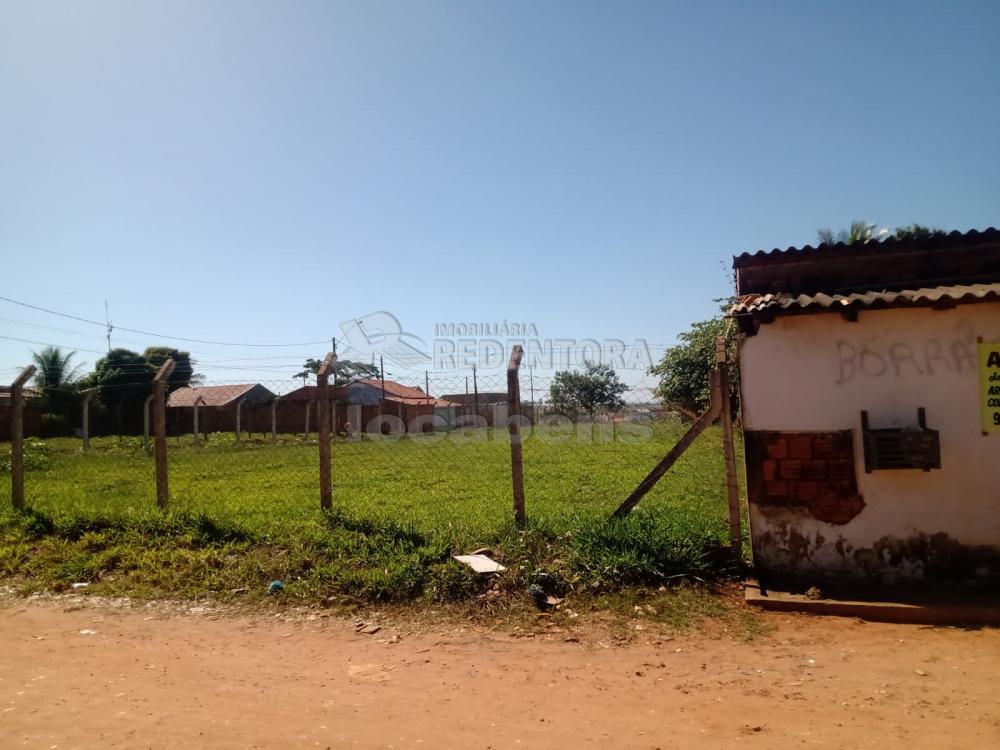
469, 449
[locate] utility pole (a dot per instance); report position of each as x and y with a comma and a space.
427, 386
531, 387
107, 322
333, 350
381, 369
475, 389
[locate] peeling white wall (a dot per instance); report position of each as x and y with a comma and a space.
817, 372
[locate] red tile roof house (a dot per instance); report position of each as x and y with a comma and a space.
217, 410
296, 410
31, 413
363, 405
397, 407
872, 440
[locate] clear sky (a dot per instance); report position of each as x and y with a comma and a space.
260, 172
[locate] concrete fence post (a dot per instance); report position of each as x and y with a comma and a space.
85, 419
160, 431
194, 420
145, 422
514, 425
323, 430
239, 411
274, 419
17, 436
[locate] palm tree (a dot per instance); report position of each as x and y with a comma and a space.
860, 231
55, 370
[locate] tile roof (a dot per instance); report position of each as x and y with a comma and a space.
307, 393
212, 395
926, 297
825, 250
28, 392
403, 393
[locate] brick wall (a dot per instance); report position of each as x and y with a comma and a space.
32, 421
813, 471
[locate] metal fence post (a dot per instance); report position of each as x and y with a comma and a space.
17, 436
514, 425
729, 451
160, 431
323, 428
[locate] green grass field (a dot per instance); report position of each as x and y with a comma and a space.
242, 515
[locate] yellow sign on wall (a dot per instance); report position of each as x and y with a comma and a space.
989, 385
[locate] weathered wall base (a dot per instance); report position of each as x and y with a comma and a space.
794, 552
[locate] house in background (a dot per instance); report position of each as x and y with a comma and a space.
484, 398
370, 392
217, 412
32, 411
871, 451
390, 407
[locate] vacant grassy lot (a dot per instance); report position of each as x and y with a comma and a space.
244, 514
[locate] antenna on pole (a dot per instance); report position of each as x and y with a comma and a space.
333, 351
107, 321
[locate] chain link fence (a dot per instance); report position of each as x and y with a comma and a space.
430, 449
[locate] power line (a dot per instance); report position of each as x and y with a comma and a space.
149, 333
46, 343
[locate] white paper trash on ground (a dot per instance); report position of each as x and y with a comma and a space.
480, 563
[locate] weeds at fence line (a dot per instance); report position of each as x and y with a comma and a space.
416, 477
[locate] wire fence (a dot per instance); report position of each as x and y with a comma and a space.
432, 450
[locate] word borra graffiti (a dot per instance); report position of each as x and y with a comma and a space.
902, 358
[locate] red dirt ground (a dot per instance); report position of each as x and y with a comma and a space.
96, 677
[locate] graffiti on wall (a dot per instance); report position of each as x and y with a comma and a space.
906, 357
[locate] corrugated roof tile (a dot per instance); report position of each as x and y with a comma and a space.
956, 294
942, 239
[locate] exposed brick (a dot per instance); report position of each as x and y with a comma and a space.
844, 489
839, 469
800, 446
805, 491
837, 510
814, 469
790, 468
810, 471
829, 446
777, 447
776, 489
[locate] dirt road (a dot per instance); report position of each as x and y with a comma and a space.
99, 678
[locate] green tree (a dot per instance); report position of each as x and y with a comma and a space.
597, 387
344, 370
56, 379
183, 372
860, 231
917, 232
121, 377
684, 368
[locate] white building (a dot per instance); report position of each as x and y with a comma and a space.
871, 438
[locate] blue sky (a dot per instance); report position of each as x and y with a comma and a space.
262, 171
